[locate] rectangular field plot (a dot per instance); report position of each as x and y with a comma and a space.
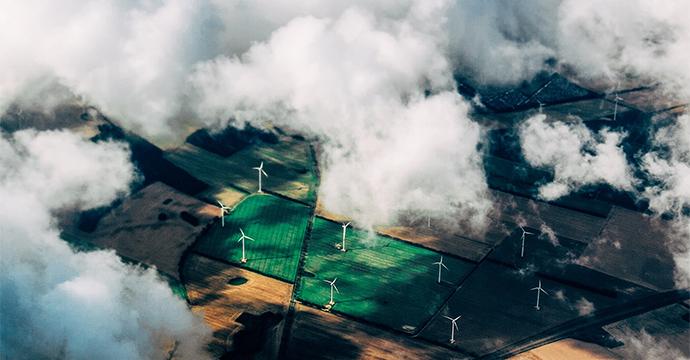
497, 308
289, 165
222, 293
381, 280
277, 227
318, 335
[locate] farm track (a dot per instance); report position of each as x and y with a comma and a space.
290, 314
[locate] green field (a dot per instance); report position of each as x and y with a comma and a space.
289, 165
380, 279
278, 227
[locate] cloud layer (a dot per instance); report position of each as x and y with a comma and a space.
669, 166
371, 81
578, 156
378, 95
61, 303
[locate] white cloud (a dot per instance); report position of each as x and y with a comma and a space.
584, 306
669, 167
56, 302
357, 84
577, 156
641, 345
129, 58
502, 42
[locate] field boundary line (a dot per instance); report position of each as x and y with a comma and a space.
290, 314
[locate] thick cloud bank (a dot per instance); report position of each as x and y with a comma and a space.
506, 41
578, 156
129, 58
55, 303
378, 94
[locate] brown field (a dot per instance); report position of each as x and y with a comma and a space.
73, 115
564, 222
222, 303
587, 110
321, 335
666, 326
604, 85
650, 100
568, 349
631, 247
227, 195
135, 229
322, 212
452, 244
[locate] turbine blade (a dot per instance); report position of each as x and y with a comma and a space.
247, 237
336, 289
455, 325
536, 288
220, 203
241, 232
263, 172
544, 291
459, 316
444, 266
448, 317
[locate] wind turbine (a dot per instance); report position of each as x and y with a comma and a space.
522, 247
453, 327
342, 248
261, 171
332, 284
440, 264
615, 102
244, 259
223, 210
539, 291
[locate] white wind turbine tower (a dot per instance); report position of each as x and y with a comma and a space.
223, 210
616, 99
342, 248
332, 284
242, 238
261, 171
453, 327
539, 291
522, 247
440, 265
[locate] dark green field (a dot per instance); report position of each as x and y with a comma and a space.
278, 227
380, 279
289, 165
